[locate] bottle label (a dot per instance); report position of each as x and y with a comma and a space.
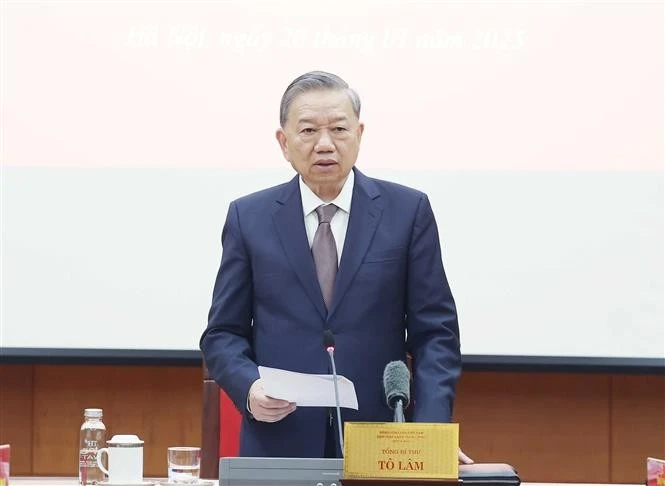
88, 458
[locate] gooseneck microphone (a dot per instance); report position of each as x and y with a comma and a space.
329, 344
396, 378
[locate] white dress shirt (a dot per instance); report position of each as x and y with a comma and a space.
340, 220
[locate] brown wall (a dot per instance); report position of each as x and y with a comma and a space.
41, 411
552, 427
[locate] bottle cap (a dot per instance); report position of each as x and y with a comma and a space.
93, 413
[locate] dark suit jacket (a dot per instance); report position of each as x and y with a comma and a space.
268, 309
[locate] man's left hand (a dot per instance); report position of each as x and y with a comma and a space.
463, 458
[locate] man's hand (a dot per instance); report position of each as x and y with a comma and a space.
264, 408
463, 458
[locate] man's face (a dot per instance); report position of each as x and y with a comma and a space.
321, 139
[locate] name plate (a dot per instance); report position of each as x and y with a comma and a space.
400, 450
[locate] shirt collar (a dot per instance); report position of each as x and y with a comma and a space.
311, 201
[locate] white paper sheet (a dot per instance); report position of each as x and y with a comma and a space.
307, 390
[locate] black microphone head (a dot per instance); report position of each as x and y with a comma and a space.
396, 379
328, 339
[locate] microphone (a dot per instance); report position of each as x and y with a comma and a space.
329, 344
396, 378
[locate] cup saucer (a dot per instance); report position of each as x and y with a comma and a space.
140, 483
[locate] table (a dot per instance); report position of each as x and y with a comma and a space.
60, 481
55, 481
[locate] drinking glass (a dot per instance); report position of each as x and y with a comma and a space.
184, 464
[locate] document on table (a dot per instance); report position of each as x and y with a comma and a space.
307, 390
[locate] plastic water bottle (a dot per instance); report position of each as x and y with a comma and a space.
92, 438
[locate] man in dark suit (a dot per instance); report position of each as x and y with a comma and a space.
330, 250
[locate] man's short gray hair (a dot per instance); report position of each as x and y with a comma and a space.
312, 81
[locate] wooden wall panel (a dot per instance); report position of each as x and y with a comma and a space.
16, 415
638, 425
551, 427
162, 405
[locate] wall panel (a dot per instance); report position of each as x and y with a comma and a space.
638, 425
552, 427
162, 405
16, 428
563, 427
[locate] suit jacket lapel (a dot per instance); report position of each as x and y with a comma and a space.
290, 226
363, 220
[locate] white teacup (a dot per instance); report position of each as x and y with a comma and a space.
125, 459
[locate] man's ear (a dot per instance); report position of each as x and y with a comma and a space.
361, 129
281, 139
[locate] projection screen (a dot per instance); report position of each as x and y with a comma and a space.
536, 129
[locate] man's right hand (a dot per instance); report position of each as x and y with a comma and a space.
266, 409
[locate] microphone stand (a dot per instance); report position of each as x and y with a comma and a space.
399, 411
331, 350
